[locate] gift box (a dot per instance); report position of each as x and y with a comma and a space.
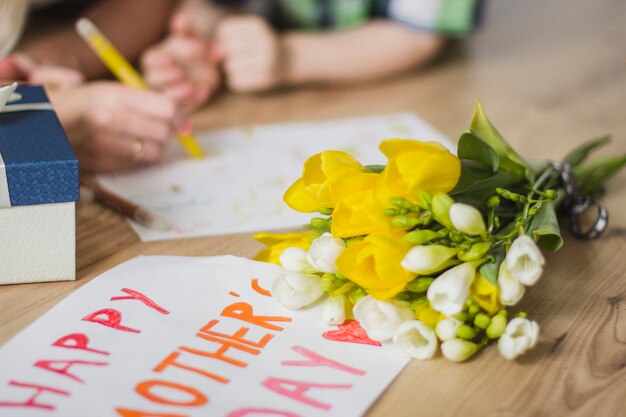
38, 190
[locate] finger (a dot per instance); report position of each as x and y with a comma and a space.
147, 128
149, 103
10, 71
181, 24
163, 76
126, 150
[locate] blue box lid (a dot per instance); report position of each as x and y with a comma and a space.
40, 166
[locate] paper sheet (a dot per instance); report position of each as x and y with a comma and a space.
182, 337
239, 186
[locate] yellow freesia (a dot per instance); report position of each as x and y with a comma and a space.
428, 315
374, 264
278, 242
415, 167
359, 214
321, 174
485, 294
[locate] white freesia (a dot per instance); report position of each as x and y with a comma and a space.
380, 319
297, 290
425, 259
334, 310
467, 219
449, 291
294, 259
458, 350
415, 339
446, 329
510, 290
324, 251
520, 335
524, 260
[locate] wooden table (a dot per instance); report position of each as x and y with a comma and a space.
550, 75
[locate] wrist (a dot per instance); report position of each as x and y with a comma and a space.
298, 63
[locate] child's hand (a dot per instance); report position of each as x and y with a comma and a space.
252, 53
183, 68
20, 67
113, 127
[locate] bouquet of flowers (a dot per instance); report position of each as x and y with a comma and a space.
431, 249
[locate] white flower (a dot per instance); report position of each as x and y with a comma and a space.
334, 310
520, 335
458, 350
446, 329
297, 290
415, 339
324, 251
427, 258
510, 290
380, 319
467, 219
449, 291
524, 260
294, 259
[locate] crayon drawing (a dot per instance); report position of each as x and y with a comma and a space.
238, 187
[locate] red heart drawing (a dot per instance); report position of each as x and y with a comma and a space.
352, 332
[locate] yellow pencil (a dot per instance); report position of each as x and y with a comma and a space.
125, 72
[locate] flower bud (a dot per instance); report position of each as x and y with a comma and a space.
441, 208
447, 294
510, 290
420, 237
520, 335
334, 310
380, 319
482, 320
467, 219
466, 332
415, 339
428, 259
496, 327
524, 260
323, 253
420, 284
297, 290
458, 350
294, 259
446, 329
475, 252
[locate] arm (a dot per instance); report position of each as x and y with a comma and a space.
375, 50
132, 25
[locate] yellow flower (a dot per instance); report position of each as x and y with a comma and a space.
415, 167
277, 243
359, 214
425, 313
326, 177
485, 294
374, 264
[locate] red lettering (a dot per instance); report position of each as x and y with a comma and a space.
145, 389
77, 341
171, 360
220, 354
238, 336
296, 390
135, 295
243, 311
110, 318
125, 412
31, 402
62, 367
318, 360
243, 412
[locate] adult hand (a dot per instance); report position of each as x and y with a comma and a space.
113, 127
20, 67
252, 53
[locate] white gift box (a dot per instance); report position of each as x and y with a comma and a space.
38, 190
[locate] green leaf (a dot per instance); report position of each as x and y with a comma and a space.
593, 175
510, 161
579, 154
478, 181
376, 169
472, 147
544, 228
490, 270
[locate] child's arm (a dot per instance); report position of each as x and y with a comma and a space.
131, 25
255, 57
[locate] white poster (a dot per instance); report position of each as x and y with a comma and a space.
239, 186
182, 337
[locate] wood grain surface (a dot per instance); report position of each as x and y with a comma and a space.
550, 74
